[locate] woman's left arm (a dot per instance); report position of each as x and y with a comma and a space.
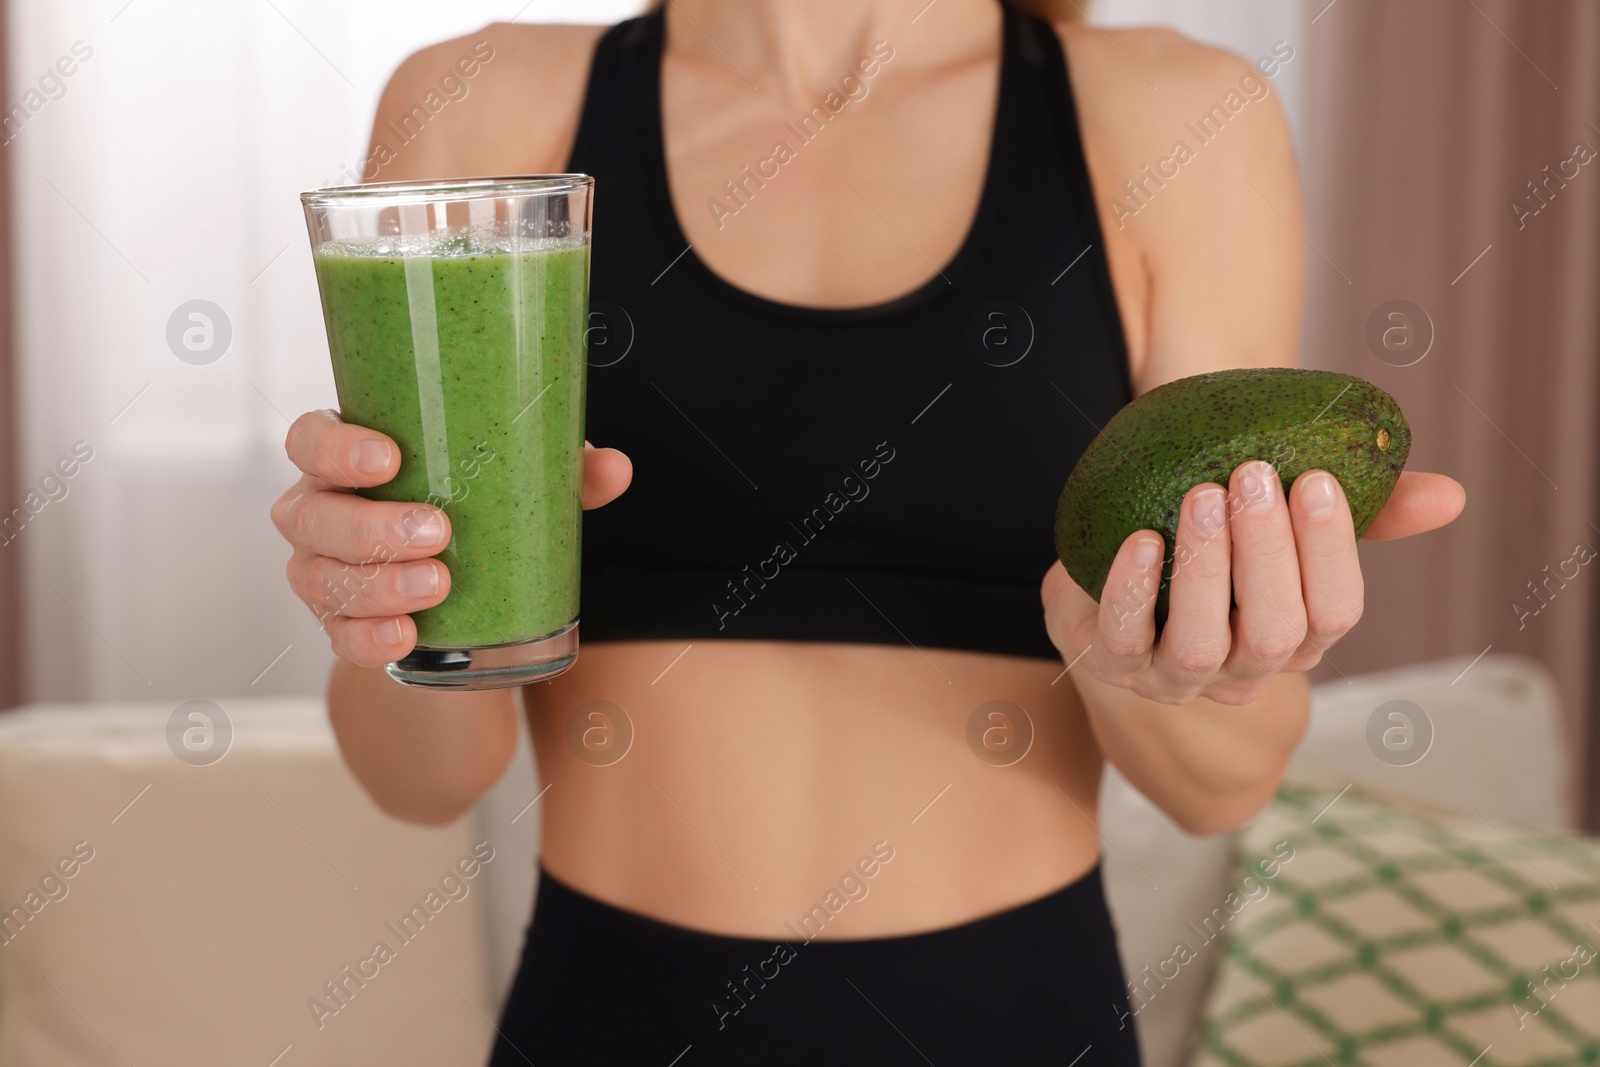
1203, 718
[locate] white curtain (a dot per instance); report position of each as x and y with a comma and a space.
164, 169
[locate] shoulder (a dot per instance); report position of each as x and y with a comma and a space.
1165, 65
504, 99
1142, 92
1196, 185
1166, 50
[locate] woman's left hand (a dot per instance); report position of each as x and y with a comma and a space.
1290, 566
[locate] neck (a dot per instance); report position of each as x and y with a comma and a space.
795, 48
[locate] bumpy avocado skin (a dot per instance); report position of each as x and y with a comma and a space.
1193, 430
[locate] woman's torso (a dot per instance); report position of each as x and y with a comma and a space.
760, 771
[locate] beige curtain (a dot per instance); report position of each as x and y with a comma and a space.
1426, 122
10, 585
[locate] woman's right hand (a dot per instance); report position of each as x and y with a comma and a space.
363, 566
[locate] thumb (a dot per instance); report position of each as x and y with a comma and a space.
1420, 502
607, 473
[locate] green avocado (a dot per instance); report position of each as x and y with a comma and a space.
1135, 474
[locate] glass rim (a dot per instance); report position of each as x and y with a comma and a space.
447, 189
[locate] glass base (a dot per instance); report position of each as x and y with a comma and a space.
495, 667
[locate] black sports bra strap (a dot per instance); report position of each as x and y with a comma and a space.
616, 81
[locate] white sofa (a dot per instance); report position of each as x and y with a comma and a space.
222, 902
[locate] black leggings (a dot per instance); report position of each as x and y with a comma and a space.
1039, 984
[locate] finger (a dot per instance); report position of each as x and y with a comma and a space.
1266, 575
371, 642
325, 446
1126, 620
1330, 569
1420, 502
606, 473
368, 590
1070, 614
1195, 642
353, 529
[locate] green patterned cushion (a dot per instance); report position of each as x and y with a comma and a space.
1367, 932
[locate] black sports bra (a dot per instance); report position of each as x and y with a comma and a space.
883, 474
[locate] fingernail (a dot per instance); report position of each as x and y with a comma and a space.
390, 633
1207, 514
372, 457
1260, 485
1321, 495
422, 527
1146, 553
419, 579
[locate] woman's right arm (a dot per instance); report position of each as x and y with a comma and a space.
362, 566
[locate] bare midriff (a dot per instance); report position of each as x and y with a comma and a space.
761, 777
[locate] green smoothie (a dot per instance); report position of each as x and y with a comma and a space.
471, 357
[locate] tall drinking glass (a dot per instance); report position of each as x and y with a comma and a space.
456, 315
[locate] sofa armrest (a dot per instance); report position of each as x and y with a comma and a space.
211, 908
